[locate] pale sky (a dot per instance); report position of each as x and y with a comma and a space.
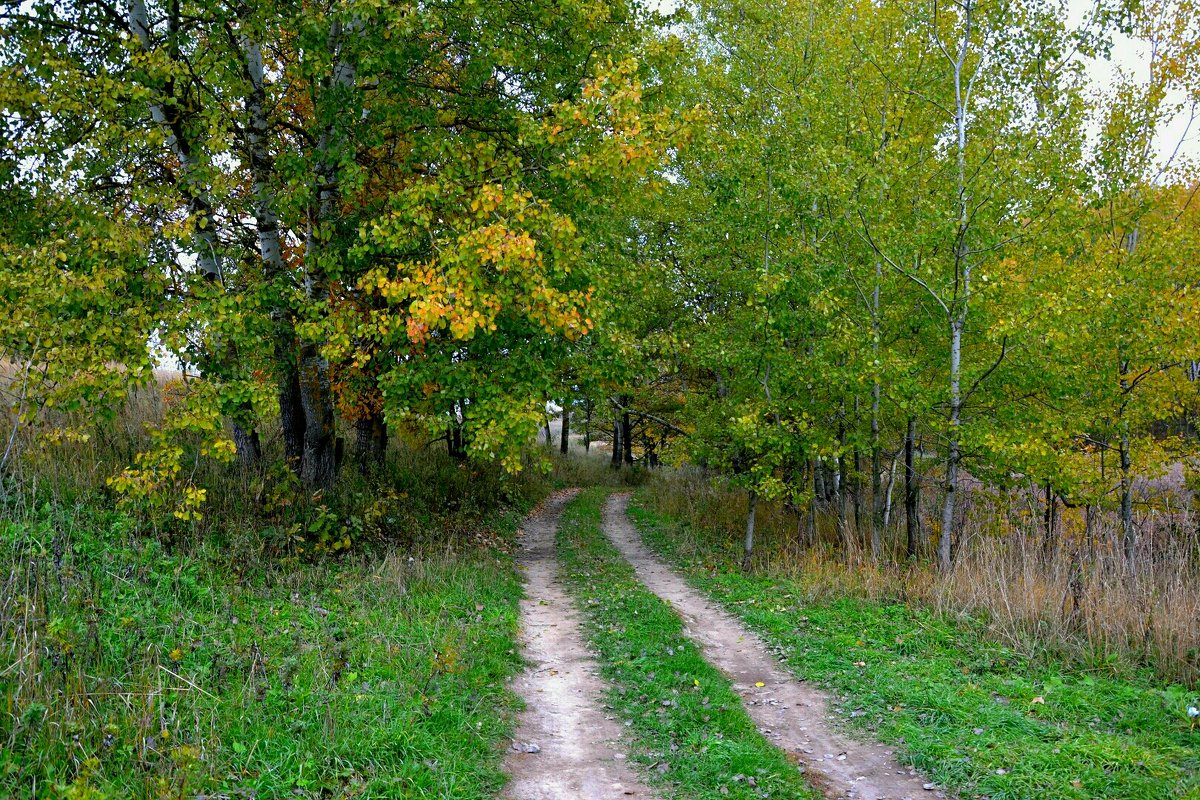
1132, 57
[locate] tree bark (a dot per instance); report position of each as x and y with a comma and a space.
627, 430
814, 467
856, 484
748, 544
953, 454
1049, 522
912, 522
616, 440
275, 272
1128, 531
456, 440
956, 311
587, 425
840, 485
370, 441
291, 415
168, 116
249, 448
318, 460
565, 437
887, 503
318, 466
876, 452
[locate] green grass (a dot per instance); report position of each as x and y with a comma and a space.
971, 714
130, 667
688, 727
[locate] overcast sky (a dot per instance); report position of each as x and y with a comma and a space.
1133, 58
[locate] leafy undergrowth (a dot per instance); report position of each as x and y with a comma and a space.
971, 714
689, 729
132, 669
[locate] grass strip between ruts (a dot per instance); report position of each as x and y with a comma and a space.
687, 725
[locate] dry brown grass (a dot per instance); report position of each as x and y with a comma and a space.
78, 451
1077, 601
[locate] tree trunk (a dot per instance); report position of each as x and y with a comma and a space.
912, 522
840, 486
887, 503
812, 503
587, 425
275, 272
856, 484
626, 430
318, 465
370, 441
956, 310
616, 441
953, 454
834, 485
748, 545
291, 411
169, 117
1089, 533
318, 461
456, 445
876, 482
249, 449
1049, 522
566, 429
876, 453
1128, 532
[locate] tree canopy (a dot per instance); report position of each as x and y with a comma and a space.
791, 242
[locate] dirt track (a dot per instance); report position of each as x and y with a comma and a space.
791, 714
574, 746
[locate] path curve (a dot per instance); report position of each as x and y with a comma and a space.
575, 752
791, 714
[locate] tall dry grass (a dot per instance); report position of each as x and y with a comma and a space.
1075, 600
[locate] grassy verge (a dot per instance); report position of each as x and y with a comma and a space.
688, 725
975, 716
130, 667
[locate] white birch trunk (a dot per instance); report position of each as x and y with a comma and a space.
199, 205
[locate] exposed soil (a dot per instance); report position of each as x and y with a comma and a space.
793, 715
566, 747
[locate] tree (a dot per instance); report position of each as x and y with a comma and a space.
381, 195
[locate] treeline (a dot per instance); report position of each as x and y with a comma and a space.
915, 219
816, 247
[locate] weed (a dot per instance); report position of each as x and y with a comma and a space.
228, 661
1075, 603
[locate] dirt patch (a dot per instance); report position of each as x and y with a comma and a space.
566, 747
791, 714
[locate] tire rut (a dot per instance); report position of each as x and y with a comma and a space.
565, 745
791, 714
